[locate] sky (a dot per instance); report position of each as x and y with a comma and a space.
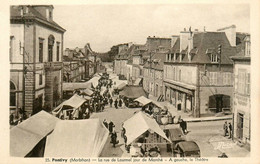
106, 25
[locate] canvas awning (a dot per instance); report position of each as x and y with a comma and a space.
74, 102
77, 138
187, 146
138, 81
121, 86
87, 92
94, 81
143, 100
118, 82
133, 92
25, 136
139, 124
73, 86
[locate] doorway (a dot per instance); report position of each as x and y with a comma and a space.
240, 124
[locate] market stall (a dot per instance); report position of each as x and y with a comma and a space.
71, 106
28, 138
70, 88
144, 131
130, 93
77, 138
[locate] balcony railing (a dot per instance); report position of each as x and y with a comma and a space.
53, 65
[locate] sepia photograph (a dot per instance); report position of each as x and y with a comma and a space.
131, 82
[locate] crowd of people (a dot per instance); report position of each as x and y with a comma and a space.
97, 103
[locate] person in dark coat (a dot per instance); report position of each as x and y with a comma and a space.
111, 101
225, 128
120, 103
125, 141
183, 126
102, 106
123, 132
114, 138
116, 104
105, 123
230, 130
111, 126
11, 119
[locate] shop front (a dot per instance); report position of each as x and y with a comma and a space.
180, 98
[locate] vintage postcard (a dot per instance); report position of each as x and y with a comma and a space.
130, 82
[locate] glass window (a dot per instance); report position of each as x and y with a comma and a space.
11, 48
40, 50
12, 94
40, 79
58, 52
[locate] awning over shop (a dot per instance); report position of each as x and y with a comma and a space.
138, 81
187, 146
87, 92
77, 138
121, 86
94, 81
143, 100
133, 92
73, 86
189, 89
118, 82
25, 136
74, 102
139, 124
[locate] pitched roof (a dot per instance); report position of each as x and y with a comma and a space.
158, 58
206, 42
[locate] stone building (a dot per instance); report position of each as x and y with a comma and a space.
36, 47
198, 71
242, 98
153, 73
74, 65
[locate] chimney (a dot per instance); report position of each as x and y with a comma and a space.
184, 39
230, 32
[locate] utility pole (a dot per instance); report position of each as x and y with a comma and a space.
95, 63
197, 94
24, 73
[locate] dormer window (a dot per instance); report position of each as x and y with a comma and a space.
213, 58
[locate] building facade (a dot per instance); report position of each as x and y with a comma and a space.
36, 47
74, 65
153, 73
198, 73
242, 101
